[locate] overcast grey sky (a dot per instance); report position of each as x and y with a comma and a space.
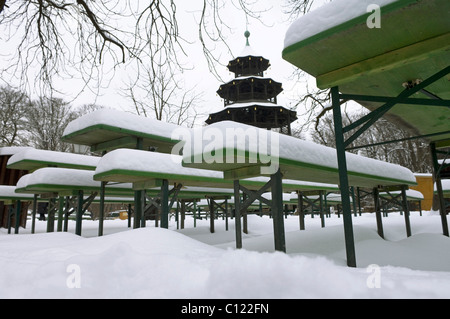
266, 39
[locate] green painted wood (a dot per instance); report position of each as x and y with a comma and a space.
343, 179
277, 212
412, 44
72, 189
298, 170
17, 219
32, 165
132, 176
59, 226
237, 214
406, 212
165, 204
378, 212
439, 190
79, 213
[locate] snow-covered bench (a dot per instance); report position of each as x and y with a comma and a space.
31, 159
109, 129
445, 188
8, 193
411, 195
298, 159
147, 168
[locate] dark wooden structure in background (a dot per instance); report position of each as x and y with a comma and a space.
10, 177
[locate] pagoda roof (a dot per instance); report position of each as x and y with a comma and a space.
254, 103
249, 77
243, 60
248, 51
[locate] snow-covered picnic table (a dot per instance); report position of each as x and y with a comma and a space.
8, 194
339, 47
31, 159
66, 181
411, 195
298, 160
109, 129
126, 165
445, 188
391, 56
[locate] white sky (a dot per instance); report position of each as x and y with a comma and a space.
267, 40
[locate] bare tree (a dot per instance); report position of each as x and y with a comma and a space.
78, 38
313, 103
160, 94
47, 119
410, 153
14, 106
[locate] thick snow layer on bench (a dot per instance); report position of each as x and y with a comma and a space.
11, 150
445, 185
328, 16
292, 150
149, 162
122, 120
78, 179
53, 158
9, 192
331, 198
159, 163
410, 193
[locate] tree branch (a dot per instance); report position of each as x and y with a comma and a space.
103, 33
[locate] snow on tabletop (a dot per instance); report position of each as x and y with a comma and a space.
63, 177
297, 150
308, 184
123, 120
150, 162
10, 191
409, 193
54, 157
153, 162
11, 150
328, 16
445, 185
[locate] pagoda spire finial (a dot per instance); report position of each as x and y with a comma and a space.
247, 35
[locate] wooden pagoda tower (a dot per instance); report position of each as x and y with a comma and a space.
251, 98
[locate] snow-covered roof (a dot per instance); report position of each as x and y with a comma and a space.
248, 51
328, 16
246, 77
30, 159
250, 104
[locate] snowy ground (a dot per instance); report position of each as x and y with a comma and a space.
192, 263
